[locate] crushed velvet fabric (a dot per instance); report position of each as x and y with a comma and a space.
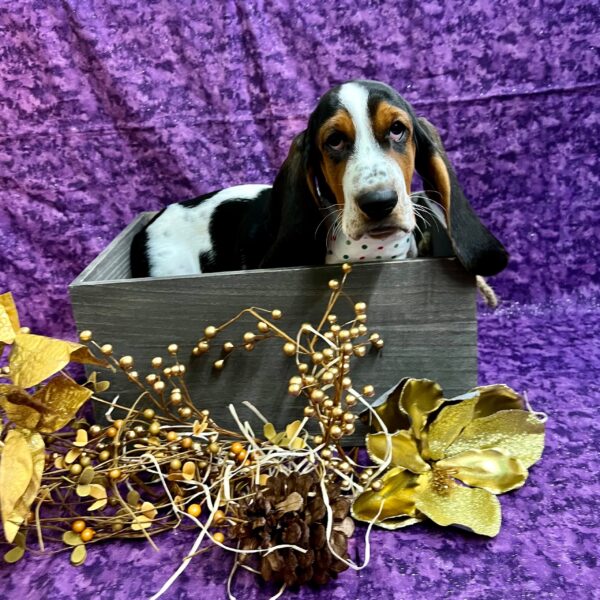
111, 108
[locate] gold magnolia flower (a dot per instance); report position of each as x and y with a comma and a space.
449, 458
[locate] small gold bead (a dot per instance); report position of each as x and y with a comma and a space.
377, 485
334, 284
130, 435
157, 362
148, 413
111, 432
24, 330
187, 443
303, 367
172, 349
328, 353
294, 389
335, 328
172, 436
85, 461
104, 456
328, 404
317, 395
364, 478
106, 349
213, 448
379, 344
263, 327
349, 418
168, 371
154, 428
309, 411
159, 386
346, 267
317, 357
351, 400
228, 347
85, 336
205, 413
309, 379
329, 335
151, 379
175, 397
327, 377
276, 314
115, 473
344, 467
296, 380
347, 348
318, 440
219, 364
354, 332
337, 412
195, 351
76, 469
210, 332
362, 329
349, 428
249, 347
249, 337
360, 308
95, 430
185, 412
175, 464
181, 370
133, 375
361, 318
368, 391
331, 319
335, 370
374, 337
203, 346
289, 349
326, 454
346, 382
344, 335
360, 351
336, 432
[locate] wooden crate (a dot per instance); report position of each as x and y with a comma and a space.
424, 309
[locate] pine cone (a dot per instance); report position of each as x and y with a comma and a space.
292, 511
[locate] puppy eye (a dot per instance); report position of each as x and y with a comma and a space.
397, 131
336, 141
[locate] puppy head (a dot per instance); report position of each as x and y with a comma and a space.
357, 158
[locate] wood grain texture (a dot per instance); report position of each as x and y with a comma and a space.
424, 309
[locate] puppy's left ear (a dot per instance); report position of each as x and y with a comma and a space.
294, 217
476, 248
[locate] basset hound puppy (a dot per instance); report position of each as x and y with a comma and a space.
343, 193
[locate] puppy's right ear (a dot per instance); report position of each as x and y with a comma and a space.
294, 216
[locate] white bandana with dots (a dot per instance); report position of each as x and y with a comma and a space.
397, 246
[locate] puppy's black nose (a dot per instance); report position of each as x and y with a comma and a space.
377, 204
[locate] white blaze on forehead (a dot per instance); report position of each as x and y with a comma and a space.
355, 99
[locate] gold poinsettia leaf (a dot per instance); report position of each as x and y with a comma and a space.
517, 432
21, 467
78, 555
62, 398
19, 406
34, 358
419, 398
387, 407
490, 469
494, 398
469, 508
395, 499
449, 423
404, 451
9, 319
399, 522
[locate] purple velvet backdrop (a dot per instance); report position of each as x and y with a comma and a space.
111, 108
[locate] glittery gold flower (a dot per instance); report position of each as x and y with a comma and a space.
449, 458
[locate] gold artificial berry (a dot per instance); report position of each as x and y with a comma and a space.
219, 537
104, 456
334, 284
327, 377
213, 448
172, 349
172, 436
106, 349
317, 396
377, 485
317, 357
85, 335
185, 412
168, 371
194, 510
351, 400
309, 411
368, 391
326, 454
78, 526
154, 428
87, 534
228, 347
151, 379
149, 413
294, 389
157, 362
159, 386
263, 327
75, 469
126, 362
115, 473
360, 308
111, 432
187, 443
360, 351
346, 268
210, 332
249, 347
276, 314
95, 430
289, 349
219, 364
336, 432
249, 337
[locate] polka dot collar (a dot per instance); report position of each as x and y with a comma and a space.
397, 246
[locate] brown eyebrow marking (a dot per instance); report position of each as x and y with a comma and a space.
385, 115
341, 121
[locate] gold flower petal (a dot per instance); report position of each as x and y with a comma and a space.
395, 499
494, 398
419, 398
388, 409
9, 319
469, 508
16, 402
62, 398
490, 469
34, 358
516, 432
404, 450
449, 423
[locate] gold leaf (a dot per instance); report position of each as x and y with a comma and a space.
292, 503
395, 499
9, 318
292, 429
448, 425
388, 409
469, 508
14, 554
59, 462
17, 404
399, 523
490, 469
83, 490
133, 497
404, 451
99, 493
62, 398
516, 432
16, 472
34, 358
140, 522
87, 475
494, 398
269, 431
78, 555
71, 538
419, 398
81, 438
148, 510
72, 455
198, 427
188, 471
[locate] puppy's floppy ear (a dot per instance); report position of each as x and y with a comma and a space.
294, 217
476, 248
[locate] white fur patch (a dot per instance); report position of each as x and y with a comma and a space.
180, 235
